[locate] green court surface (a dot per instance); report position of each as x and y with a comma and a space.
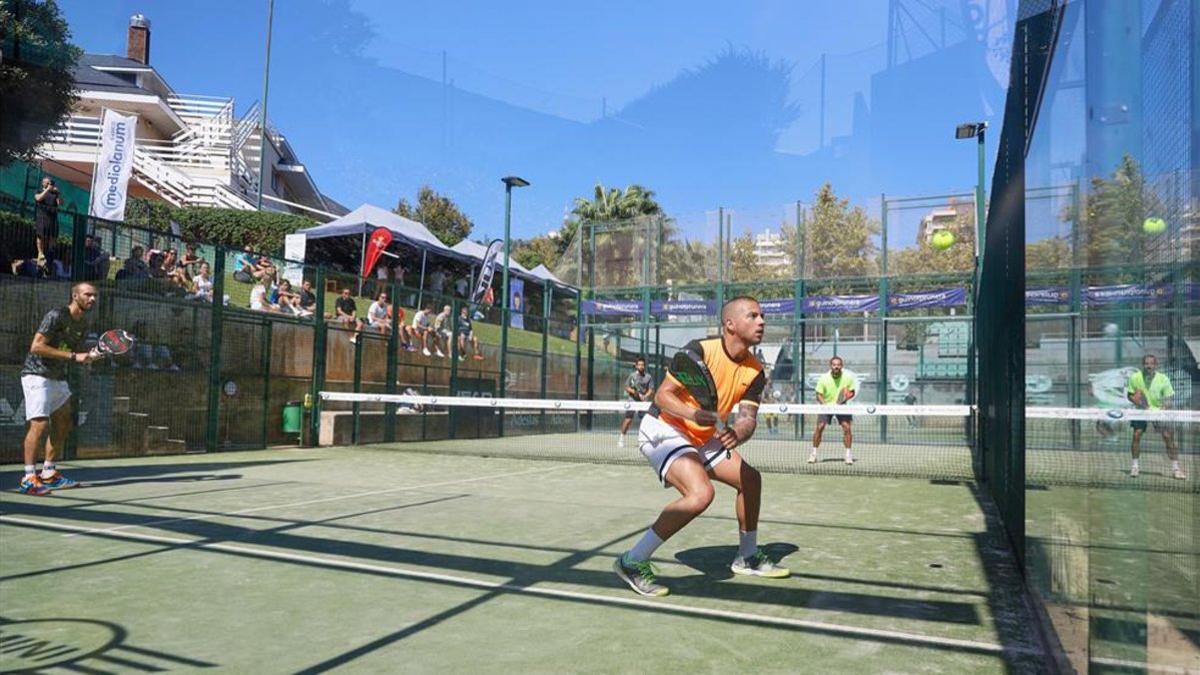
374, 560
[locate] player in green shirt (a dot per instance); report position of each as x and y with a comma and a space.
1151, 390
834, 388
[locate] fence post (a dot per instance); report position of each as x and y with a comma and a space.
267, 329
884, 290
358, 356
547, 299
451, 428
393, 366
211, 441
318, 358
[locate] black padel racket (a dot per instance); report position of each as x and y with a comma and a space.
689, 369
114, 342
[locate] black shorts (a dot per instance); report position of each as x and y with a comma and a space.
1140, 425
632, 414
46, 225
839, 418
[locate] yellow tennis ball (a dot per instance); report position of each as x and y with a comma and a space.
1154, 225
943, 239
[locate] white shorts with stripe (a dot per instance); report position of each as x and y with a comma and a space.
43, 396
661, 444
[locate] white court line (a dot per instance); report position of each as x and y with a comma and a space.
1150, 668
423, 486
658, 606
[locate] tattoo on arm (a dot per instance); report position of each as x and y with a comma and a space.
746, 422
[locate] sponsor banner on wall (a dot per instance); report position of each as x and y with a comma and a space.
612, 307
1108, 295
1053, 295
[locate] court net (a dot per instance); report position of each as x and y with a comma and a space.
1066, 446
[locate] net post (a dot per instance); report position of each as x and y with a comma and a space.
451, 427
266, 369
211, 440
318, 368
884, 289
547, 300
393, 358
591, 380
358, 345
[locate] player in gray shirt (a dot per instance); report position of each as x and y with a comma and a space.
639, 387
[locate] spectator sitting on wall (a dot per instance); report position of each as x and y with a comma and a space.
396, 314
260, 297
57, 267
202, 285
378, 315
157, 259
441, 332
190, 261
347, 313
308, 299
466, 336
95, 260
249, 267
135, 265
420, 329
287, 299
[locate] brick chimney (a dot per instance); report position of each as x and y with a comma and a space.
138, 45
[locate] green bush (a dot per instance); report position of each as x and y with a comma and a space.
261, 230
16, 237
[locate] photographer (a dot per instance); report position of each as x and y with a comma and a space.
46, 222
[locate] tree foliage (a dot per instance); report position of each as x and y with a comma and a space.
263, 231
438, 213
1112, 216
36, 79
743, 261
839, 238
923, 258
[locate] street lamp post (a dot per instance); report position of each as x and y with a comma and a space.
976, 130
510, 182
262, 119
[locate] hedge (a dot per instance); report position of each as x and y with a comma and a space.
261, 230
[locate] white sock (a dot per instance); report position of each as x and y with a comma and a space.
645, 547
30, 469
1174, 465
747, 543
1135, 464
47, 469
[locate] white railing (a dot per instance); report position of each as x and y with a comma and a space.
201, 106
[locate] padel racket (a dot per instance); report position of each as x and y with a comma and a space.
114, 342
689, 369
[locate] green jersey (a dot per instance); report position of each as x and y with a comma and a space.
828, 387
1159, 388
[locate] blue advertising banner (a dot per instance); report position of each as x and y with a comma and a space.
683, 307
516, 303
1107, 295
840, 303
613, 307
940, 297
1053, 295
782, 306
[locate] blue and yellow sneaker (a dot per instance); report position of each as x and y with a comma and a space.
32, 485
57, 481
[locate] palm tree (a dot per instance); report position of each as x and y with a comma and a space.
616, 247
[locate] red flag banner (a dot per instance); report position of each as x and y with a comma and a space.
378, 242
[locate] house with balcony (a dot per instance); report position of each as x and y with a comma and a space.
190, 150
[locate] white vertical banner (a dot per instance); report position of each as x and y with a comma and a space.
110, 179
293, 258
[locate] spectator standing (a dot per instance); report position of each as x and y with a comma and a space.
46, 221
437, 282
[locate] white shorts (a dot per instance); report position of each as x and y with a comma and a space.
661, 444
43, 396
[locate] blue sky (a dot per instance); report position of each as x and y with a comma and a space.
709, 104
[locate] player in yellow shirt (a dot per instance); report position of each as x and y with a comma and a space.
835, 387
1149, 389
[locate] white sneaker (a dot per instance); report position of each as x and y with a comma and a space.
1178, 474
1134, 471
812, 457
440, 355
426, 352
849, 458
620, 441
758, 565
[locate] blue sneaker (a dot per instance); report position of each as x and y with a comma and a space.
57, 481
32, 485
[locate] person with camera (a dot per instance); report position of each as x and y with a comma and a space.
46, 220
